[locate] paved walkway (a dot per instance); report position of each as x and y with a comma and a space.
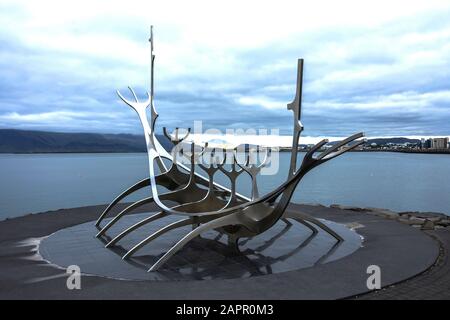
400, 250
432, 284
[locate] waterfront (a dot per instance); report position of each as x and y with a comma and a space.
398, 181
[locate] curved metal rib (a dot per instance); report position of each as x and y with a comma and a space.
288, 188
137, 186
191, 220
174, 225
190, 191
170, 196
253, 169
176, 139
214, 224
209, 201
232, 175
170, 180
131, 207
135, 226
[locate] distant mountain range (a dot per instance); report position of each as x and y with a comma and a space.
382, 141
24, 141
385, 141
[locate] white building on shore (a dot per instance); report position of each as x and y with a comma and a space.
439, 143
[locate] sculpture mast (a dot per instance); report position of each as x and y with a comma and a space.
296, 107
154, 114
152, 64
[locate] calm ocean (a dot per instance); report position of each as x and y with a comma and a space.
398, 181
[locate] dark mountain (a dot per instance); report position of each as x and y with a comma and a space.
23, 141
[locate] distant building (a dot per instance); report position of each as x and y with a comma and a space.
427, 144
439, 143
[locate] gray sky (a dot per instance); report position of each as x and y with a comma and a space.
382, 67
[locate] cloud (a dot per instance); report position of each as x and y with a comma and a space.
261, 101
382, 68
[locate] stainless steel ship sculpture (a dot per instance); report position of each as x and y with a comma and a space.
205, 204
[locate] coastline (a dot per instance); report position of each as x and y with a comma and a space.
417, 218
430, 151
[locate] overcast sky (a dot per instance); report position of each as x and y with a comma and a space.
382, 67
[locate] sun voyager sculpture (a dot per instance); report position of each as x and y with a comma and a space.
205, 204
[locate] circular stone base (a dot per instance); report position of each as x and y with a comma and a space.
400, 251
287, 246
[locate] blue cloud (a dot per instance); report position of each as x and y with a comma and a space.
391, 79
